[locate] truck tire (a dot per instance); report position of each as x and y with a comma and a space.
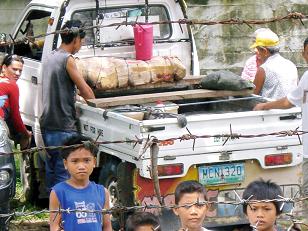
4, 221
116, 176
108, 174
28, 176
108, 177
125, 184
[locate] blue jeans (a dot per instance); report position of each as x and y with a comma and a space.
55, 171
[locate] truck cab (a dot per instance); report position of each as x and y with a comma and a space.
48, 16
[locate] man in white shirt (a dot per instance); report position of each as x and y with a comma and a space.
276, 76
297, 97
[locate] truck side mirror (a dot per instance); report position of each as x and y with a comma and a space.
3, 41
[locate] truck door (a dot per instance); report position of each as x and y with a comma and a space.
35, 22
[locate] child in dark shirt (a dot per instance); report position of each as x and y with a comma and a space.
142, 221
262, 215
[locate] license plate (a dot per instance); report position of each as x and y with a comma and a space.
221, 174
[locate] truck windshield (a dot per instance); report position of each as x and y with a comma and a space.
123, 34
35, 23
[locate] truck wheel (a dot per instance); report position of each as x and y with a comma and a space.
113, 191
28, 179
108, 172
116, 176
4, 221
108, 178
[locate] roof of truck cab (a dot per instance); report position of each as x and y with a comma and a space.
58, 3
47, 2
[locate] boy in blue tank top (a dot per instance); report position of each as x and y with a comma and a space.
78, 192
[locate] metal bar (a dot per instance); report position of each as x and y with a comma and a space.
146, 8
218, 101
154, 149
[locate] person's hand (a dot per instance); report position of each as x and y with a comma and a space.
25, 140
259, 107
80, 99
28, 134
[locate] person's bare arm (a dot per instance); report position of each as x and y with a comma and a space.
282, 103
106, 218
54, 218
259, 80
84, 89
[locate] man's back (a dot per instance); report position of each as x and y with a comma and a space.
58, 93
280, 77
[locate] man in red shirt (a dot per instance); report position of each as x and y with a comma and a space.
9, 99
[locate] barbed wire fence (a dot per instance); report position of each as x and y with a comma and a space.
292, 215
148, 143
233, 21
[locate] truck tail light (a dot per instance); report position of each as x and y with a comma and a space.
170, 169
278, 159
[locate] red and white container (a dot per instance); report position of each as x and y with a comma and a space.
143, 36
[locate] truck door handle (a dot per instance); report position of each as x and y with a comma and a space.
34, 80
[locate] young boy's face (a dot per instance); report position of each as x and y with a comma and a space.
305, 53
262, 214
191, 217
80, 164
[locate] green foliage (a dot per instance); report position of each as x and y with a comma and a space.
19, 204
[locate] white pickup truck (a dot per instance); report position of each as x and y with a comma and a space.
222, 166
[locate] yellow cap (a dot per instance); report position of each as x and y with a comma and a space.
266, 38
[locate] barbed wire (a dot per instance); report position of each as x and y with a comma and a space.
123, 209
186, 137
233, 21
118, 208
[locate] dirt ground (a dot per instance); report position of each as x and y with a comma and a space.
43, 225
300, 213
29, 226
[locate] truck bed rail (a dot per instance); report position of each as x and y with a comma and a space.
175, 95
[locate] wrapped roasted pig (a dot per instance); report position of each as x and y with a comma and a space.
111, 73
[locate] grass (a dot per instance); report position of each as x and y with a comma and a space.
19, 203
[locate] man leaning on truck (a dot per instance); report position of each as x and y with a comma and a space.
298, 97
61, 77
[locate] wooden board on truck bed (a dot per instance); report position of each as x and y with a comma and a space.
164, 96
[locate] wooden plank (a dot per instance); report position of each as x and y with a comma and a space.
164, 96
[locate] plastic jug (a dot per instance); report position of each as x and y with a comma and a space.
143, 35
